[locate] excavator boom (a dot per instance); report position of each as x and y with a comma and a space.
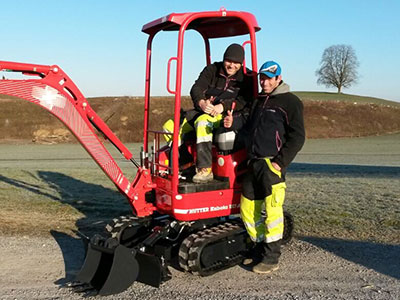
53, 90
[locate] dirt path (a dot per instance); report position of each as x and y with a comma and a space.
311, 268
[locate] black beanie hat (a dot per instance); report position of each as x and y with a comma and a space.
234, 53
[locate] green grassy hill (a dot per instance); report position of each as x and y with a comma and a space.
325, 96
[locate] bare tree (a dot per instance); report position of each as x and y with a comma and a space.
338, 67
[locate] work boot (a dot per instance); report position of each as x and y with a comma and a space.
255, 255
265, 268
249, 261
203, 175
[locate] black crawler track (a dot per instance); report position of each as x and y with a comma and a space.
201, 252
226, 243
127, 230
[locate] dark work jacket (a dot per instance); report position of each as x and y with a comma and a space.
274, 127
213, 81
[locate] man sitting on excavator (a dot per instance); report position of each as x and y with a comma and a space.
217, 87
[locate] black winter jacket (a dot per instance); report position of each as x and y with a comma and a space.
274, 127
213, 81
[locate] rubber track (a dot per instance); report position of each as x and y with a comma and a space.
192, 246
118, 225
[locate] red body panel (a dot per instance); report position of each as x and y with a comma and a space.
228, 166
189, 207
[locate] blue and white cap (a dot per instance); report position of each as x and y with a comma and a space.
270, 69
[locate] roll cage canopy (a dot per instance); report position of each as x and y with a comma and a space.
209, 24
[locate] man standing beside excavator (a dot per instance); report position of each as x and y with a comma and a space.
274, 134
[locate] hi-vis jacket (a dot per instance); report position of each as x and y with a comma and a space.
274, 127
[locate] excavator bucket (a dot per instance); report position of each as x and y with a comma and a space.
107, 271
150, 270
111, 270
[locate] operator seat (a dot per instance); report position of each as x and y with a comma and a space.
225, 141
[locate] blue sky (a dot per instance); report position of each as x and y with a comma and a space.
100, 45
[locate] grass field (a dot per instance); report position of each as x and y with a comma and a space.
348, 188
325, 96
342, 188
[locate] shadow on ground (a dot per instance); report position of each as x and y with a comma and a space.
73, 254
382, 258
348, 170
34, 188
97, 204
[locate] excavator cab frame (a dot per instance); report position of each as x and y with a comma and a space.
184, 200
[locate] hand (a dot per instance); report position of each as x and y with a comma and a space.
228, 120
203, 104
217, 109
276, 166
209, 108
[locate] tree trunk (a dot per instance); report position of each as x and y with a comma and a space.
339, 89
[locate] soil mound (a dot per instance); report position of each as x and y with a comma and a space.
326, 118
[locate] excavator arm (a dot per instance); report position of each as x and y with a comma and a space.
53, 90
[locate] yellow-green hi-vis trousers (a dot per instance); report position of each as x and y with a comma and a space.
263, 186
169, 128
205, 124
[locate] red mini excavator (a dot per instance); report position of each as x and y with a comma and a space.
174, 221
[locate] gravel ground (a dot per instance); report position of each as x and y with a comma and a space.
310, 268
